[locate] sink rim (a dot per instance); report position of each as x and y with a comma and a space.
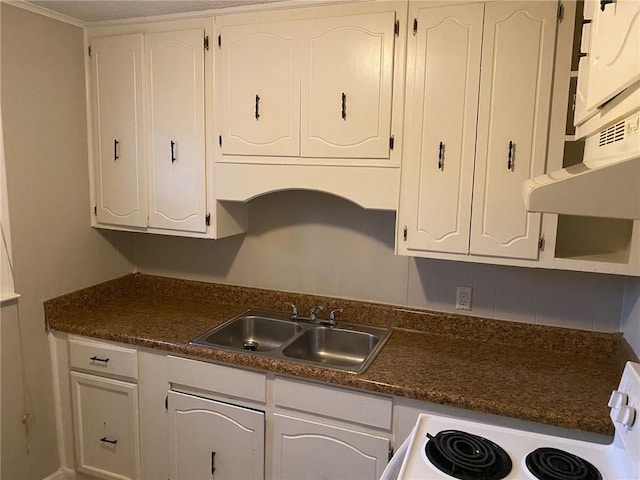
306, 325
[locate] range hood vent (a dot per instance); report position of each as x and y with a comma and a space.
606, 184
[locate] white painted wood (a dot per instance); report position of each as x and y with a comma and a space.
120, 172
103, 358
515, 91
442, 99
174, 77
614, 60
106, 409
352, 406
206, 434
228, 381
350, 55
260, 60
312, 450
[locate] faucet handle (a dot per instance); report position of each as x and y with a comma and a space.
315, 310
332, 315
294, 310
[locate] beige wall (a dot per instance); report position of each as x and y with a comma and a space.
54, 248
315, 243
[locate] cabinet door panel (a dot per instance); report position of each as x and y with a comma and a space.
309, 450
615, 51
106, 426
175, 112
443, 98
208, 436
515, 90
116, 83
347, 74
260, 83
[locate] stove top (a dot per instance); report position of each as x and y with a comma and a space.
442, 447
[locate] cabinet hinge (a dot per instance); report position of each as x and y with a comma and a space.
560, 12
415, 26
95, 210
207, 219
392, 141
220, 140
206, 42
390, 453
541, 243
219, 41
89, 50
166, 403
396, 29
404, 233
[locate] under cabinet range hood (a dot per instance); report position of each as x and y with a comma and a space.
605, 184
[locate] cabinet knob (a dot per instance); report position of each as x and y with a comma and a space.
344, 106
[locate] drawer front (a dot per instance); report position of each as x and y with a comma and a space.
363, 408
103, 358
229, 381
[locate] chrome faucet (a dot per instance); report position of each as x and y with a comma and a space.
314, 311
332, 317
294, 310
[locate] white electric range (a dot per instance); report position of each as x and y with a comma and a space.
446, 448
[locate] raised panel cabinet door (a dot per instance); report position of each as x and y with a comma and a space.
306, 450
116, 99
513, 119
105, 414
441, 131
615, 50
213, 440
260, 81
347, 74
175, 119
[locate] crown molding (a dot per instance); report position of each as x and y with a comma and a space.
45, 12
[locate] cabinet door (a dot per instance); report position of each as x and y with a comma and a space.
615, 51
309, 450
260, 81
175, 113
513, 118
116, 96
209, 437
347, 73
105, 414
442, 103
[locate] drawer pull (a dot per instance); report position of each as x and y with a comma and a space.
115, 149
98, 359
257, 106
510, 162
213, 463
106, 440
441, 156
344, 106
173, 154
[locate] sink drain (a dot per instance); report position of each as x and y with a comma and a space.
251, 346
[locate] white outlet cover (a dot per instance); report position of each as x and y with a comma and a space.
463, 298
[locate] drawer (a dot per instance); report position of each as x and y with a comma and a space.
103, 358
214, 378
363, 408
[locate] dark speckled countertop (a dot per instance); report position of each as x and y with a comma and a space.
550, 375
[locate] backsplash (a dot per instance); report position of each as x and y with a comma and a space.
313, 243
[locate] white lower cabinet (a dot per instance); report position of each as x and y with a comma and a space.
211, 439
304, 449
105, 414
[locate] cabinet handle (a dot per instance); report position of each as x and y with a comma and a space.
344, 106
257, 106
441, 156
512, 147
115, 149
213, 463
173, 156
97, 359
604, 3
106, 440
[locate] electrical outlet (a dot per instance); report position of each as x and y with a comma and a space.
463, 298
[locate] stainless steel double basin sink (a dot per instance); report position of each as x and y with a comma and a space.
343, 346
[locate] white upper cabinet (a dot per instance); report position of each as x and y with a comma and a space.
175, 112
442, 97
614, 57
347, 76
513, 118
116, 88
260, 78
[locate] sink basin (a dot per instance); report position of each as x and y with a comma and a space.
332, 346
253, 332
345, 346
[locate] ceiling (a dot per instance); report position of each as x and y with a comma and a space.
101, 10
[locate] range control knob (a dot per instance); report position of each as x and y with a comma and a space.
617, 399
624, 415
